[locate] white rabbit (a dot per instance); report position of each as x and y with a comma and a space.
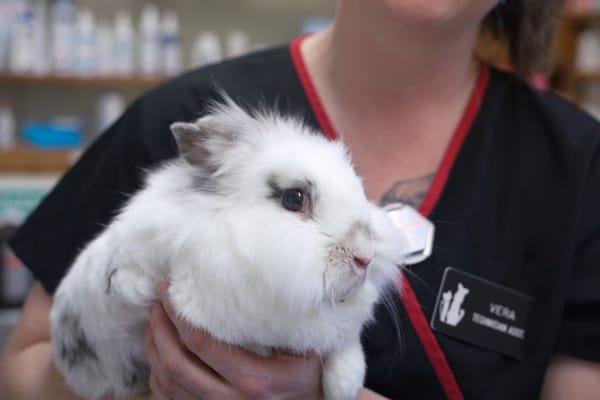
264, 232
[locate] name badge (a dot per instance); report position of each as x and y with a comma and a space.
482, 312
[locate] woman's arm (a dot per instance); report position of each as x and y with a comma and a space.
26, 367
366, 394
571, 378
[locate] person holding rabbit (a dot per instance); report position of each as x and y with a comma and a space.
509, 175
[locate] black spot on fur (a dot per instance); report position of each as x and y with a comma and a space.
109, 278
130, 379
75, 348
205, 183
138, 374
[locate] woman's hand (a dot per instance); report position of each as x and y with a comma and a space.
186, 363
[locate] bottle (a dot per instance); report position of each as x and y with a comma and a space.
150, 40
22, 41
5, 29
171, 44
237, 43
85, 42
8, 134
591, 99
124, 47
109, 108
105, 50
63, 26
588, 50
206, 50
40, 58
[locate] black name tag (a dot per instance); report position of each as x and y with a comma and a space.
481, 312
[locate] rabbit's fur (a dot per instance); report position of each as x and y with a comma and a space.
240, 265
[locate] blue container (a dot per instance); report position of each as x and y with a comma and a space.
53, 135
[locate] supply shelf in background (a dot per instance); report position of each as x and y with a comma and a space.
49, 82
577, 54
26, 160
102, 82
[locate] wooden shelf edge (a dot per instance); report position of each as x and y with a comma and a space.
577, 18
36, 161
125, 82
587, 76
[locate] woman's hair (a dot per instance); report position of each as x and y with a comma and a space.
527, 29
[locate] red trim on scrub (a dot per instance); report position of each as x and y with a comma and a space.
437, 186
309, 89
409, 299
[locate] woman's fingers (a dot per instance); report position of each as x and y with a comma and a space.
157, 393
176, 369
175, 393
251, 375
228, 361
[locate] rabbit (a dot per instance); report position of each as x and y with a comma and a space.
265, 234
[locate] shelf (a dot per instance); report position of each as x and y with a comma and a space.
587, 77
114, 82
36, 161
582, 19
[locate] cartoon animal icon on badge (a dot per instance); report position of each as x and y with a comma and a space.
451, 312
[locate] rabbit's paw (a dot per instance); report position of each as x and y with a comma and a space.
344, 372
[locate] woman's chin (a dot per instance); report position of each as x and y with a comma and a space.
432, 13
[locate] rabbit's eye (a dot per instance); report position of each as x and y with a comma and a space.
293, 199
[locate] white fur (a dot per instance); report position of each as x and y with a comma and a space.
240, 265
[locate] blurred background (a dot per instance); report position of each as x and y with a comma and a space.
69, 68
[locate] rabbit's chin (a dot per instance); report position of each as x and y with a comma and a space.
347, 287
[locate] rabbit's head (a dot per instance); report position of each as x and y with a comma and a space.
298, 223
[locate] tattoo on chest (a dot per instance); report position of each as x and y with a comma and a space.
409, 191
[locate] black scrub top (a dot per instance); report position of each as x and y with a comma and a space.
518, 205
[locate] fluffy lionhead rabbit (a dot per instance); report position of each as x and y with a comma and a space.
265, 234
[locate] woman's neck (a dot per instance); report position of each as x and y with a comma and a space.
395, 93
374, 62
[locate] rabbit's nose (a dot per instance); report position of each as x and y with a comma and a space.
362, 261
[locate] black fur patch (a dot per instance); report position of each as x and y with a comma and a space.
139, 373
75, 348
205, 183
109, 277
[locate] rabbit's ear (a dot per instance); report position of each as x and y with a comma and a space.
199, 142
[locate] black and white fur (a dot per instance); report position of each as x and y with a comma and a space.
241, 266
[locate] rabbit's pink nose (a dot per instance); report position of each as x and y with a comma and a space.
362, 262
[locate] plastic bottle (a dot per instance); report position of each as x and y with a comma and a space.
109, 108
124, 47
591, 99
85, 42
237, 43
22, 41
150, 40
5, 29
105, 50
8, 133
171, 44
206, 50
588, 50
40, 59
62, 31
